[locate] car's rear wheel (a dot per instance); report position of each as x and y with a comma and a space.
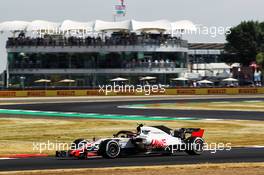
194, 146
109, 149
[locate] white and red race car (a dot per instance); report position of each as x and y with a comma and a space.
147, 140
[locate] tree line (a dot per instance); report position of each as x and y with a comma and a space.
245, 43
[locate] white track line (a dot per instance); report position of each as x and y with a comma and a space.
253, 101
255, 146
212, 119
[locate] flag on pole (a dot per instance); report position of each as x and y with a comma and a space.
120, 10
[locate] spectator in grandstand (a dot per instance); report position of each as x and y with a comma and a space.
194, 84
149, 63
21, 34
257, 77
156, 63
162, 62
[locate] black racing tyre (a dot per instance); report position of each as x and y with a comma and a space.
109, 149
194, 146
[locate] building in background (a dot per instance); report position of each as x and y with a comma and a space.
130, 49
206, 52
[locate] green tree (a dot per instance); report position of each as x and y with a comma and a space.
260, 58
246, 41
262, 37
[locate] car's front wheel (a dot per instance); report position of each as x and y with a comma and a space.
110, 149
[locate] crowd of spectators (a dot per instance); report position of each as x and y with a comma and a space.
114, 39
126, 64
148, 63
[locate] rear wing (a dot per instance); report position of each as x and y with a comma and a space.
194, 132
198, 133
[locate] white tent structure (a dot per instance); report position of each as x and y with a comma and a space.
230, 80
152, 26
13, 26
111, 26
69, 25
119, 79
180, 79
42, 81
67, 81
43, 26
205, 82
147, 78
184, 25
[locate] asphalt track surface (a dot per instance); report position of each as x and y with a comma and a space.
235, 155
112, 108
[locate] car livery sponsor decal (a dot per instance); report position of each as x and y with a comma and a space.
158, 143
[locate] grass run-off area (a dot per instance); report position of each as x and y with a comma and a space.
225, 106
212, 169
18, 134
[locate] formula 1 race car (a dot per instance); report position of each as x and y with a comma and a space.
147, 140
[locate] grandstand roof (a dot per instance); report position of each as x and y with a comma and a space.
13, 26
111, 26
69, 25
39, 25
151, 26
98, 26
